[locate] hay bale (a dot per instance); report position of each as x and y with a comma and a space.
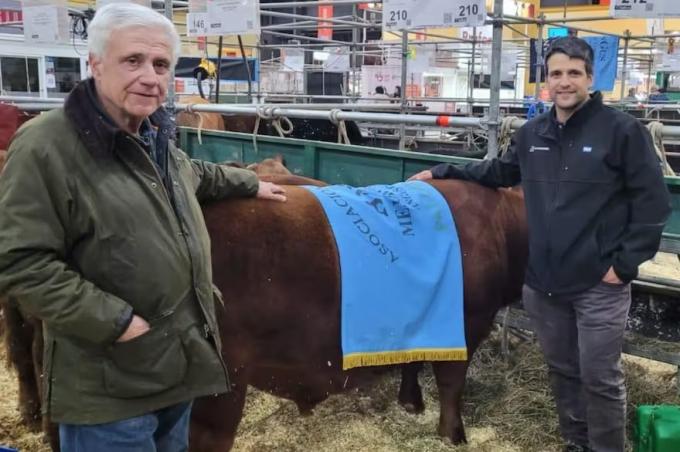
508, 408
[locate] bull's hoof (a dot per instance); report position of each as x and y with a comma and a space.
306, 407
411, 399
305, 411
457, 437
412, 403
31, 419
413, 408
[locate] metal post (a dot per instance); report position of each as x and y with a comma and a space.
471, 84
259, 80
247, 64
538, 70
495, 88
624, 69
353, 63
649, 71
171, 86
219, 70
404, 67
277, 110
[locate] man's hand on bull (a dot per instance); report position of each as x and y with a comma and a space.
267, 190
137, 327
423, 175
611, 277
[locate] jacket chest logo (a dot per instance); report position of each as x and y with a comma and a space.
587, 149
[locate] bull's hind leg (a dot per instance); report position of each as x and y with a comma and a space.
410, 394
450, 376
214, 420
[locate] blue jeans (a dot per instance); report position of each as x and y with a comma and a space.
165, 430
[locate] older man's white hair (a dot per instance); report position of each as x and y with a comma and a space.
118, 16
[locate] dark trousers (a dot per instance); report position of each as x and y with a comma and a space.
581, 336
165, 430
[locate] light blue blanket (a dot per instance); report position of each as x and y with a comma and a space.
401, 273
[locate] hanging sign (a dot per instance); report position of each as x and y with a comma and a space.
644, 8
41, 23
50, 73
413, 14
484, 33
227, 17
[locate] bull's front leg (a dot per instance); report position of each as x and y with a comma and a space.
410, 394
20, 343
214, 420
450, 376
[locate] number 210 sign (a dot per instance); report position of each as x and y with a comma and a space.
413, 14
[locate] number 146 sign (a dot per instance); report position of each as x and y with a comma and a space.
413, 14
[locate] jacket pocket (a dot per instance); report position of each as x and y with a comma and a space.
146, 365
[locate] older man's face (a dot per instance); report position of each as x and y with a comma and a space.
132, 77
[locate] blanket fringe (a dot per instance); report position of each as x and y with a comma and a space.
403, 356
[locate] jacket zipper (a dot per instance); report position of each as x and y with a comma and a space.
560, 156
207, 330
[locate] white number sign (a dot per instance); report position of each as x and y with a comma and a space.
413, 14
197, 24
233, 17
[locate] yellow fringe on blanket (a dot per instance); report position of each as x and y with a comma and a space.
403, 356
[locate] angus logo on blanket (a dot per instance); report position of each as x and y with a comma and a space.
399, 200
361, 225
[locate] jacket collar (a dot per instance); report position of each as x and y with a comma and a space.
549, 126
96, 129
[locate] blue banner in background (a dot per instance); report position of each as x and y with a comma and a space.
557, 32
606, 49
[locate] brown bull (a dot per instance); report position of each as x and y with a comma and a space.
281, 326
198, 120
306, 129
23, 337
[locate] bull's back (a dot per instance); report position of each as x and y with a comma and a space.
277, 266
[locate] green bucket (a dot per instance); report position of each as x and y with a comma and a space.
657, 428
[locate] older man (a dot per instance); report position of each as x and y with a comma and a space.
102, 238
596, 205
